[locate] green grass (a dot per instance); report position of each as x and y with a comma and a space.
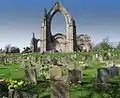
76, 91
11, 71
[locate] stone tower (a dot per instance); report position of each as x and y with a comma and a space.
49, 41
34, 42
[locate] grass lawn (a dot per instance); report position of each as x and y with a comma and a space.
11, 71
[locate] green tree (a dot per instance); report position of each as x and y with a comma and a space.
104, 46
14, 50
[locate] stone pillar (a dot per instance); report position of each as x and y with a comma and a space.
43, 38
72, 36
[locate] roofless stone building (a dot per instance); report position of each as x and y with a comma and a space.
68, 42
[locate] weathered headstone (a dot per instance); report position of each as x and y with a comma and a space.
96, 56
30, 73
75, 75
11, 93
102, 75
101, 58
93, 58
55, 72
102, 78
113, 71
59, 88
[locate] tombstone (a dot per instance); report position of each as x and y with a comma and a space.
109, 55
30, 73
114, 71
55, 72
59, 88
93, 58
100, 58
75, 75
102, 75
102, 78
11, 93
96, 56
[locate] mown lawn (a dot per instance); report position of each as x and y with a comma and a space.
11, 71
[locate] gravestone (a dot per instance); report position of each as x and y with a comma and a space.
114, 71
96, 56
102, 78
30, 73
11, 93
20, 94
101, 58
102, 75
75, 75
55, 72
93, 58
59, 88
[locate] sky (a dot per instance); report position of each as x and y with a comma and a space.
19, 18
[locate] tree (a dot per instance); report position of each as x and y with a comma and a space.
14, 50
104, 46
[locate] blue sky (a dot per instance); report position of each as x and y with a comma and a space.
19, 18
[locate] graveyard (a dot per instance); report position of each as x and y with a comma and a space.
74, 57
82, 75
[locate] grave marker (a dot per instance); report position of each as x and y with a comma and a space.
75, 75
113, 71
59, 88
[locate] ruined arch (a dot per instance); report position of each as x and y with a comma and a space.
58, 24
46, 36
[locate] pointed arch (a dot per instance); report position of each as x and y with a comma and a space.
47, 38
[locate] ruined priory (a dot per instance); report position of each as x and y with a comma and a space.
68, 42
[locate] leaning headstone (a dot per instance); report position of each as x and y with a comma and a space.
30, 73
114, 71
59, 88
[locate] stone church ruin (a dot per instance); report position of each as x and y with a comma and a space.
68, 42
